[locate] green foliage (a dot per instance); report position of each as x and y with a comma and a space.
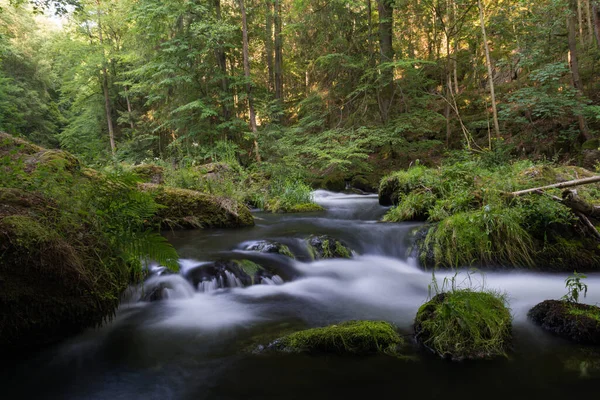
575, 287
351, 337
465, 324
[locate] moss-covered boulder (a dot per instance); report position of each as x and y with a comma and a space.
150, 173
229, 274
347, 338
52, 282
364, 184
271, 247
324, 246
189, 209
574, 321
276, 205
465, 324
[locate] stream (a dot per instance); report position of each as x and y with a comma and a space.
197, 342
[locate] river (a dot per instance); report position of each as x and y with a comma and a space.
198, 345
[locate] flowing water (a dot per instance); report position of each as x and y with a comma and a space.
197, 341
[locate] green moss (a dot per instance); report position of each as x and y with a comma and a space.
249, 267
352, 337
325, 247
190, 209
149, 172
464, 324
304, 208
26, 231
592, 313
593, 144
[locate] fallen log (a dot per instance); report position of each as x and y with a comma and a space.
561, 185
571, 199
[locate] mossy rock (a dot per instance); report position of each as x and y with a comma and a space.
465, 324
150, 173
304, 208
222, 272
363, 184
324, 246
574, 321
270, 247
51, 287
334, 183
347, 338
190, 209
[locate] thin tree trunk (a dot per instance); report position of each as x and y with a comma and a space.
489, 68
574, 63
278, 53
580, 20
107, 107
596, 19
386, 22
269, 42
129, 108
246, 56
222, 61
588, 15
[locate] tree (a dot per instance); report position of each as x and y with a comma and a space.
490, 70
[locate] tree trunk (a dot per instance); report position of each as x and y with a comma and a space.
129, 108
246, 57
222, 61
580, 21
489, 68
596, 19
107, 107
386, 22
278, 53
269, 42
574, 63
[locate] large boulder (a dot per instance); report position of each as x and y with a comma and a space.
465, 324
53, 284
351, 337
574, 321
190, 209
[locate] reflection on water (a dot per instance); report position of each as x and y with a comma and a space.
196, 342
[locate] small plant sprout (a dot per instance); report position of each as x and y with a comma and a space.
575, 287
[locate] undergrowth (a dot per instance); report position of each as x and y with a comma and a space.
476, 221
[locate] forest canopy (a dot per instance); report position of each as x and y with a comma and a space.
333, 86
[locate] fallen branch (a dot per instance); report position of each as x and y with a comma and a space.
576, 182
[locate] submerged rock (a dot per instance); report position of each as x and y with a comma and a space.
189, 209
352, 337
574, 321
271, 247
324, 246
464, 324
